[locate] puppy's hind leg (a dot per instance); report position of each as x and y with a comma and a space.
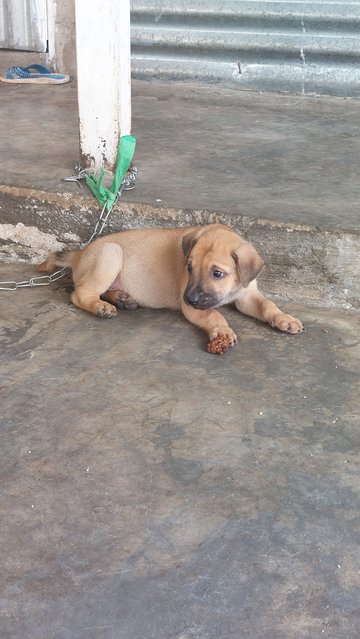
95, 271
120, 299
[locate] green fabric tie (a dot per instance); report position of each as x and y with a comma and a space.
124, 158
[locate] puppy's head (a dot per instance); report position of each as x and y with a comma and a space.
219, 264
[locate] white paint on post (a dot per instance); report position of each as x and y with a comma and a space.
51, 9
104, 78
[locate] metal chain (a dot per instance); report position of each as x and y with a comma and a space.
127, 184
79, 175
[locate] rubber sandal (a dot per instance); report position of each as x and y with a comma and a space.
34, 74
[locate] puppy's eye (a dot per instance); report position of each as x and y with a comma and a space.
189, 267
218, 274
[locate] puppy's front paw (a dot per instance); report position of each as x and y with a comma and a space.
287, 323
219, 345
223, 330
221, 339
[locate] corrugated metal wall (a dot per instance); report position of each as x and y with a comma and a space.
300, 47
23, 25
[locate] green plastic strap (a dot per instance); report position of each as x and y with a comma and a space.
125, 155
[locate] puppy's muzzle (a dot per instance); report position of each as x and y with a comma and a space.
200, 299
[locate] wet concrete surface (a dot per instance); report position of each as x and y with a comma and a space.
153, 491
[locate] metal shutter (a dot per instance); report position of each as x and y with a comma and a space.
299, 47
23, 25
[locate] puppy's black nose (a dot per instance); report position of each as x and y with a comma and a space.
192, 297
191, 300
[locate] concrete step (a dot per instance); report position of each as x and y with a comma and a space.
282, 170
304, 263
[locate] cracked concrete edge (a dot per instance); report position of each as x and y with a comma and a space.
304, 263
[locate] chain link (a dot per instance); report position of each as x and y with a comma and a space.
80, 174
41, 280
127, 184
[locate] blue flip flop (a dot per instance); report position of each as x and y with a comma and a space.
34, 74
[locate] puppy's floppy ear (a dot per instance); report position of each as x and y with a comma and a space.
189, 240
248, 263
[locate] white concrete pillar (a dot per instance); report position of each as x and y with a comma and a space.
104, 78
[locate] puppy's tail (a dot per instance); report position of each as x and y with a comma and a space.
60, 258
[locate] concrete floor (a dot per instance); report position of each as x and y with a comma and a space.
150, 490
286, 158
283, 170
153, 491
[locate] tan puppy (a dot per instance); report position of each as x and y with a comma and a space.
192, 269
